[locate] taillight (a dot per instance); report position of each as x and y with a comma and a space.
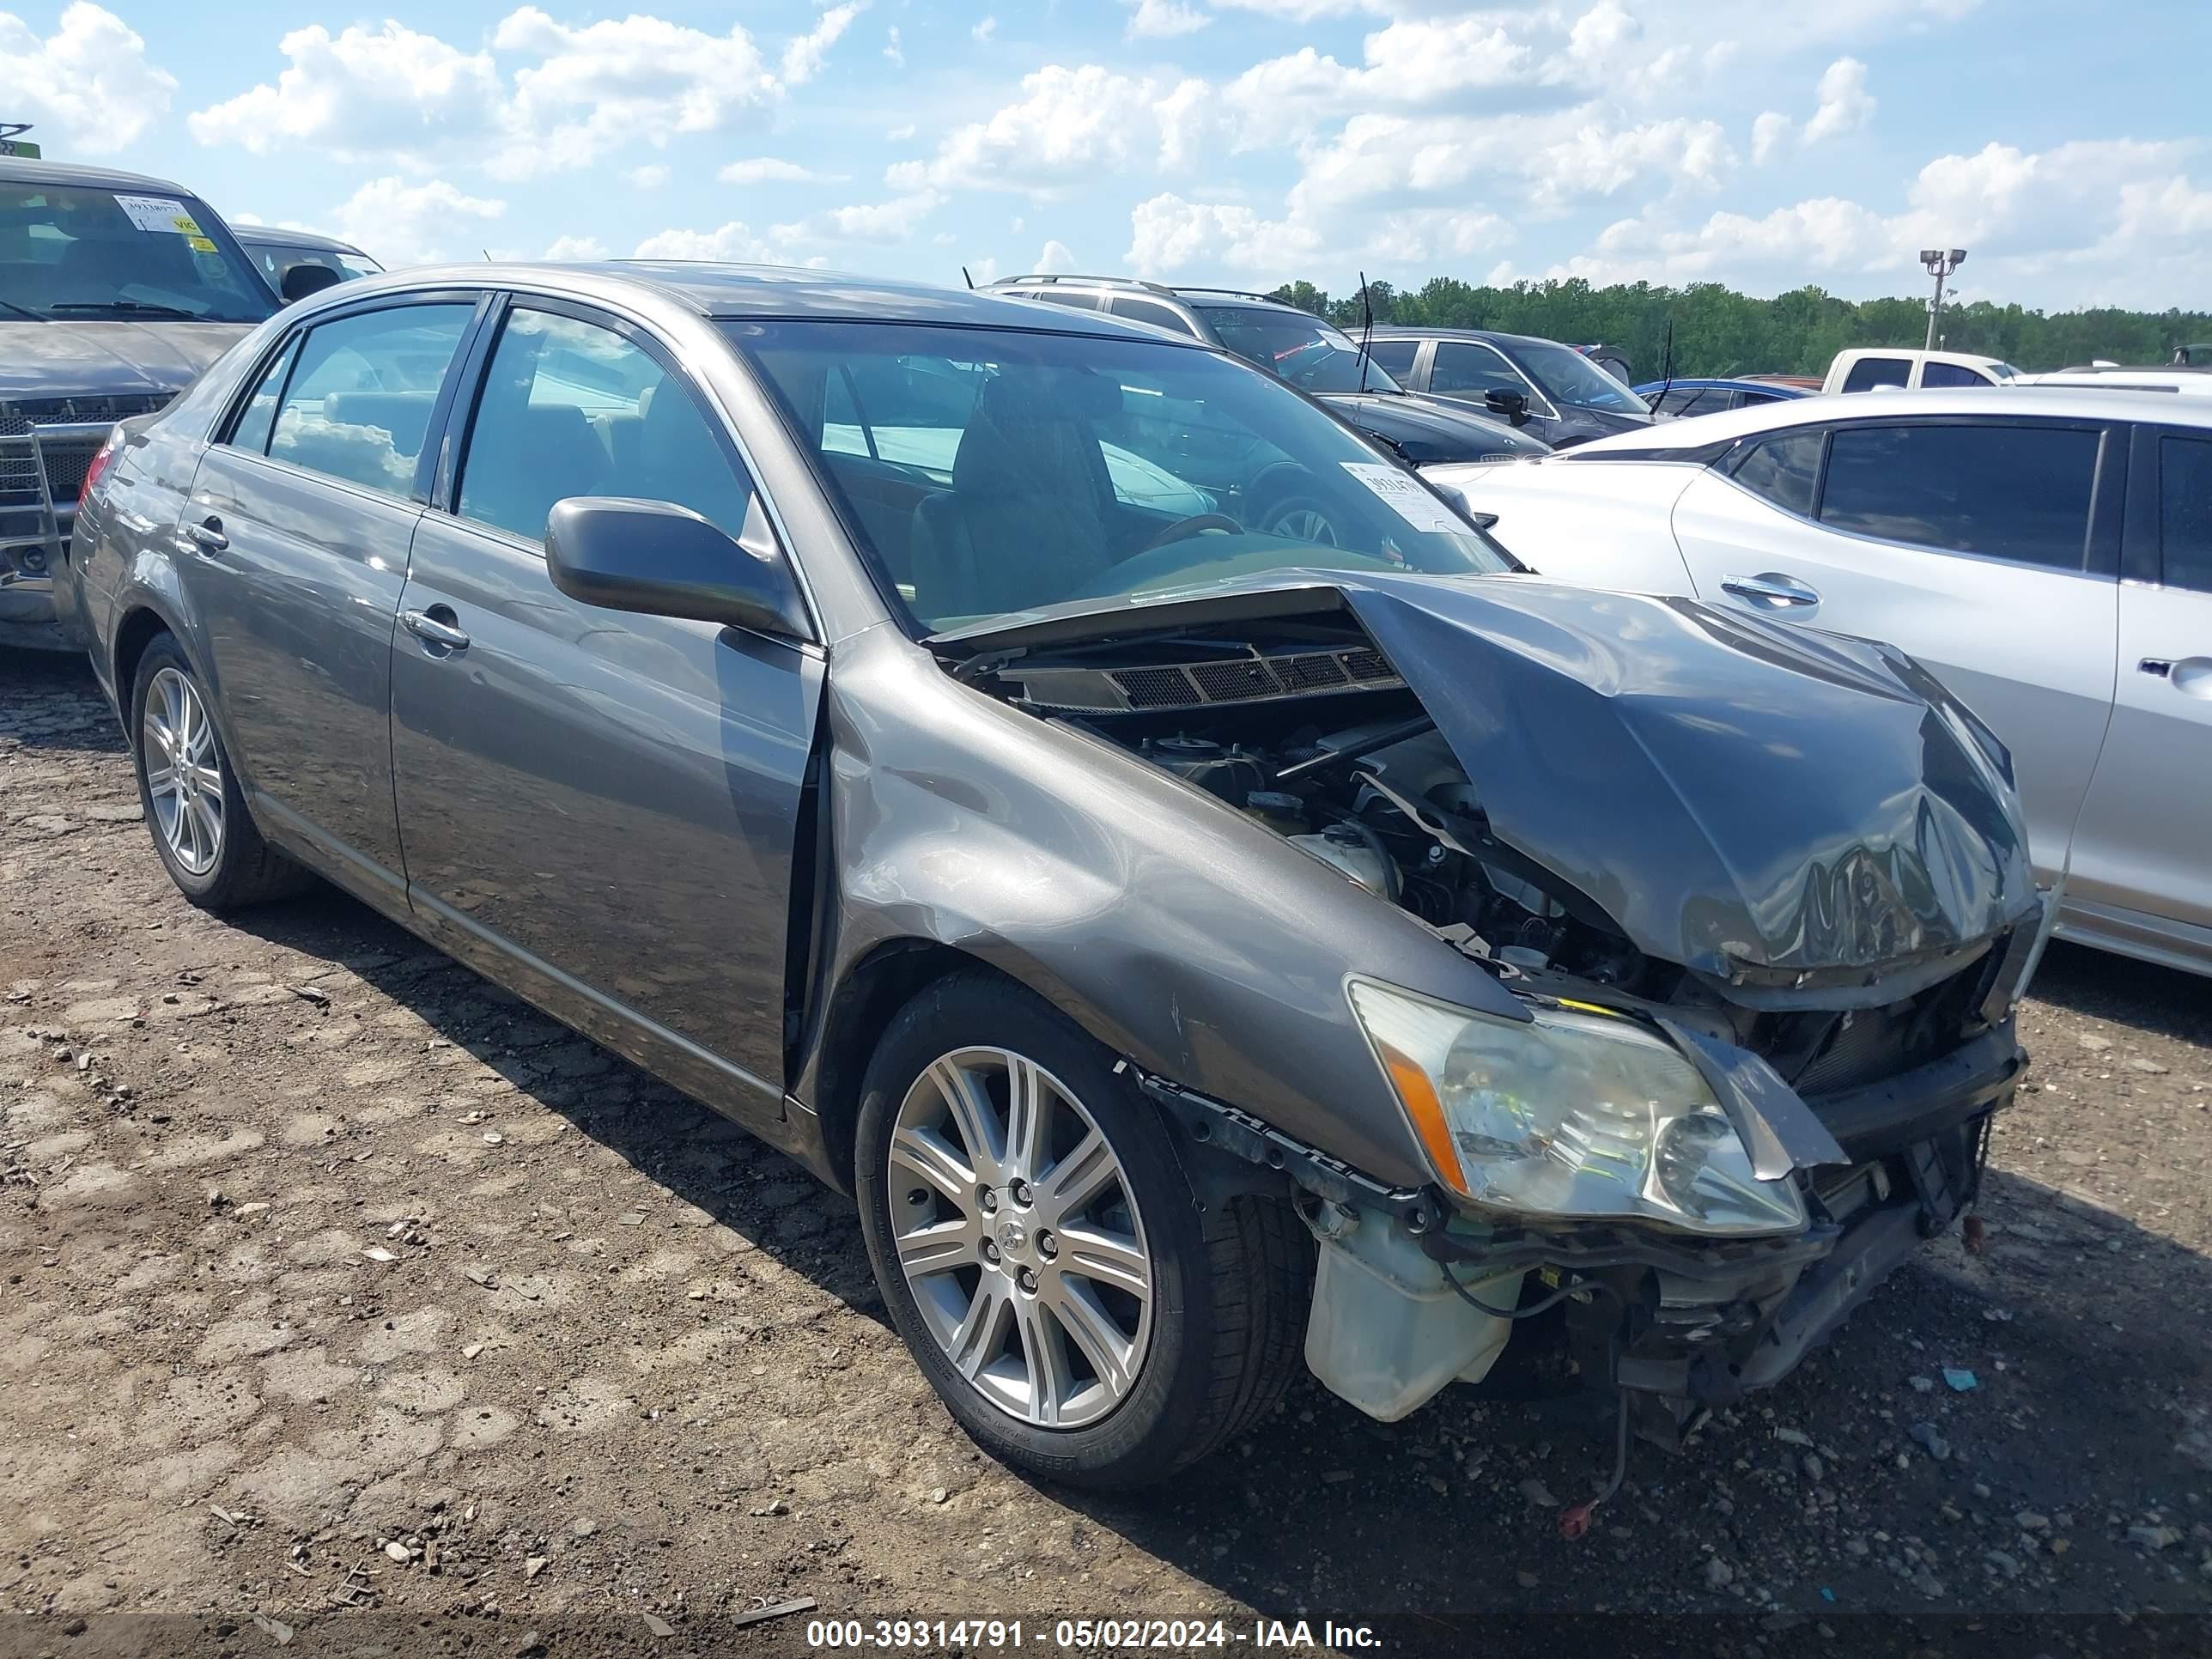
98, 463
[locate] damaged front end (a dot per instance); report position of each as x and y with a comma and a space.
1758, 899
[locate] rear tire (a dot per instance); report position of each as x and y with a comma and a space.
1209, 1345
206, 838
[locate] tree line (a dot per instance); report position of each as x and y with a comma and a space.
1719, 331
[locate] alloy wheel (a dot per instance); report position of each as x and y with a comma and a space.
1306, 523
1019, 1236
183, 772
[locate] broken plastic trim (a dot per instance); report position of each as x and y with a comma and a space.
1244, 1136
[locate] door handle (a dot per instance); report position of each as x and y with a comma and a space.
433, 629
207, 534
2191, 675
1770, 591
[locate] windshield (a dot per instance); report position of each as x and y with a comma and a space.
990, 470
1571, 377
275, 260
68, 250
1304, 350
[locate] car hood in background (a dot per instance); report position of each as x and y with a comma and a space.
107, 358
1734, 793
1428, 430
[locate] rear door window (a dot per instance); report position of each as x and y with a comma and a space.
359, 403
2185, 512
1394, 355
2006, 491
1872, 373
258, 418
1785, 469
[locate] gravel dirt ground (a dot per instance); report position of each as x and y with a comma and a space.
341, 1287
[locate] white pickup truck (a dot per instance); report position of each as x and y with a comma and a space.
1875, 368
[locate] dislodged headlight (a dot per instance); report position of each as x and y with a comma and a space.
1574, 1116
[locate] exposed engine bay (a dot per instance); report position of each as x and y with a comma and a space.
1316, 737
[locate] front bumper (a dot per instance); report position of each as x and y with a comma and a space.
41, 468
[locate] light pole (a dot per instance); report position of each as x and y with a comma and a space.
1939, 263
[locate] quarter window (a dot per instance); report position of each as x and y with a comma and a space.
570, 408
1466, 367
1945, 375
359, 404
2013, 492
1785, 470
2185, 512
1871, 373
1150, 311
258, 417
1073, 299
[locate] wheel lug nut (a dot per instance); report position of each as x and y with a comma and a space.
988, 1200
1020, 1190
990, 1251
1026, 1280
1047, 1246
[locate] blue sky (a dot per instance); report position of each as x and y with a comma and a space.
1765, 144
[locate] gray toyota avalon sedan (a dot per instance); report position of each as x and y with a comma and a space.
1191, 945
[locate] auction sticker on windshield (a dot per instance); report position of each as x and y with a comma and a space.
160, 213
1406, 498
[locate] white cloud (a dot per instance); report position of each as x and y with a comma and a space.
1597, 161
1845, 104
803, 57
894, 220
733, 242
361, 95
899, 135
395, 93
1071, 126
1299, 11
651, 176
984, 271
770, 170
982, 31
577, 248
892, 49
89, 79
1168, 234
1768, 134
408, 224
1163, 20
1408, 64
1055, 260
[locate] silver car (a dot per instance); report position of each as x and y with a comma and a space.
1191, 945
2046, 552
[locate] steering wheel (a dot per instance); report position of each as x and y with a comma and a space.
1199, 524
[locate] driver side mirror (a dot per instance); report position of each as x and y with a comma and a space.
661, 560
302, 279
1513, 405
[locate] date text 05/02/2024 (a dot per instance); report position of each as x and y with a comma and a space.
1162, 1634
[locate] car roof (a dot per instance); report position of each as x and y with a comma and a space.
278, 236
2052, 403
780, 292
1392, 331
1728, 382
22, 170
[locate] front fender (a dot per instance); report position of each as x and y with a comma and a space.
1178, 931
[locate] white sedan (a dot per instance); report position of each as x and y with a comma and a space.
2047, 552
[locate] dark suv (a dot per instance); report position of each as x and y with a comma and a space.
1298, 347
115, 292
1541, 386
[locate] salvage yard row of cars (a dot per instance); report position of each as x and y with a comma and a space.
1112, 805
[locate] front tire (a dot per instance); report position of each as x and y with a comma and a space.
1041, 1254
207, 840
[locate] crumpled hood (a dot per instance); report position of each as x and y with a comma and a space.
1430, 430
108, 358
1734, 793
